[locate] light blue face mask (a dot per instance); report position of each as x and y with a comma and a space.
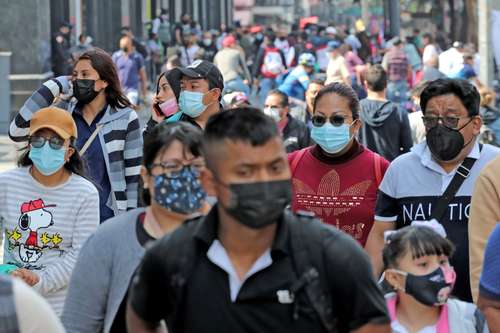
331, 139
46, 159
191, 103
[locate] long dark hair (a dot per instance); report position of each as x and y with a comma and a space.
103, 64
74, 165
173, 78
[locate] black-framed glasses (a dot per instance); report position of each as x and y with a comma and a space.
450, 122
174, 169
55, 142
336, 120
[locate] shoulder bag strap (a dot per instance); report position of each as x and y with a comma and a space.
91, 139
462, 173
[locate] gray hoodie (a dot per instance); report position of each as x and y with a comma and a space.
385, 128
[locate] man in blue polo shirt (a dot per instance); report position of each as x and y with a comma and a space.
416, 181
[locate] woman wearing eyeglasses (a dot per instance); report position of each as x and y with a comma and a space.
337, 179
170, 171
47, 208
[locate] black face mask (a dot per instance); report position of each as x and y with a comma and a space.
257, 205
125, 49
426, 288
445, 143
83, 90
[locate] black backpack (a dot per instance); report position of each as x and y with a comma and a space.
307, 260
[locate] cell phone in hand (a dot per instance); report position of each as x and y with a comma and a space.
157, 109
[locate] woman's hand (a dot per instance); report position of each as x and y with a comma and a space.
67, 87
154, 112
30, 277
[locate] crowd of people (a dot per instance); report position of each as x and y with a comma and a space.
324, 179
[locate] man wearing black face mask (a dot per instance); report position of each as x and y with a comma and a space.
251, 265
436, 179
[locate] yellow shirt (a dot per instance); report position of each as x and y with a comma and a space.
484, 216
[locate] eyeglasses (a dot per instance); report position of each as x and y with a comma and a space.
55, 142
174, 169
336, 120
450, 122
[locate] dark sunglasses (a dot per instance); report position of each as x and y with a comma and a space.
450, 122
39, 141
336, 120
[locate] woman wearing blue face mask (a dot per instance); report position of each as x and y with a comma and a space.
171, 166
337, 179
47, 208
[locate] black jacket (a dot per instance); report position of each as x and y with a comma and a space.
386, 128
296, 135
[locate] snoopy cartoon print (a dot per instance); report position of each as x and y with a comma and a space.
34, 217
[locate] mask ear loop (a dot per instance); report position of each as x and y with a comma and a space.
216, 101
397, 271
474, 137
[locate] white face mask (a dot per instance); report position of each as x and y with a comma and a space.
273, 113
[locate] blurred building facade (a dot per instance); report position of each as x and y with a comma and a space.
27, 27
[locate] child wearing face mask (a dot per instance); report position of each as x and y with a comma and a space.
47, 208
417, 269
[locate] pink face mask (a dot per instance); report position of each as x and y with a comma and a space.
169, 107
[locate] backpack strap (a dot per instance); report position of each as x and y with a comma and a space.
377, 164
307, 259
183, 260
295, 162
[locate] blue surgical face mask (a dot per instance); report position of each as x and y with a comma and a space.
181, 193
191, 103
46, 159
331, 139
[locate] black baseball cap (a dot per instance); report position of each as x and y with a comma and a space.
202, 69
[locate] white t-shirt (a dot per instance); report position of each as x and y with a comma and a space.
45, 227
398, 328
451, 62
430, 51
337, 70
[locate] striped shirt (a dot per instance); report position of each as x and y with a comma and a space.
120, 139
45, 227
397, 65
